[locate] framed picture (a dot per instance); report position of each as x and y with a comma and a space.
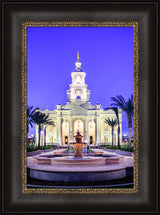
83, 142
80, 136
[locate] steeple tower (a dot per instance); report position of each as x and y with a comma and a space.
78, 64
78, 88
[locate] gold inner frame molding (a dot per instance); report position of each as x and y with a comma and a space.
24, 188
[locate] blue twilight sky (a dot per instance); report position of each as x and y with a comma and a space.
106, 54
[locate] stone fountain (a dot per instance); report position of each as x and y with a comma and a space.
78, 145
50, 167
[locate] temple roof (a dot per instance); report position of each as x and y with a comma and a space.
86, 105
80, 104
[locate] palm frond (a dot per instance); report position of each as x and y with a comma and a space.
111, 122
119, 102
34, 110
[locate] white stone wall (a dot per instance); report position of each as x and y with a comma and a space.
98, 116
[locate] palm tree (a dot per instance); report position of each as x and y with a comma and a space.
40, 119
49, 122
127, 108
115, 109
30, 117
111, 123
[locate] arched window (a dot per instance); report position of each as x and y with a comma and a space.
51, 139
91, 132
115, 128
106, 139
106, 127
51, 127
78, 80
65, 132
79, 125
78, 97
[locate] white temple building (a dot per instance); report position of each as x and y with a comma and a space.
79, 114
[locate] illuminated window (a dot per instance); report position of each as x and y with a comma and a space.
51, 139
65, 132
91, 124
106, 127
106, 139
78, 80
51, 127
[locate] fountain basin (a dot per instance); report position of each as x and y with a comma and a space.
83, 176
58, 153
98, 153
49, 167
50, 159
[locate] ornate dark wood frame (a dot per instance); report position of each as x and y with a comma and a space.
14, 14
24, 26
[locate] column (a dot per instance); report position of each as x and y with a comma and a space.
120, 129
102, 131
36, 142
95, 120
98, 129
85, 131
42, 136
59, 130
70, 131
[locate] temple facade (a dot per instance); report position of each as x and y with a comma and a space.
79, 114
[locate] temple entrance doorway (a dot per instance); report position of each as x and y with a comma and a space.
91, 132
66, 139
65, 133
91, 139
79, 125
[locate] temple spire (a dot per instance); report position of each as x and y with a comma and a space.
78, 56
78, 63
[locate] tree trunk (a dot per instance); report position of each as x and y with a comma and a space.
112, 137
27, 135
39, 136
119, 137
130, 136
44, 137
130, 132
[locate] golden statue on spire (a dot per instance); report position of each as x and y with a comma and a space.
77, 56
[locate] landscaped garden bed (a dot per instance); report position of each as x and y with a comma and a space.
123, 148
